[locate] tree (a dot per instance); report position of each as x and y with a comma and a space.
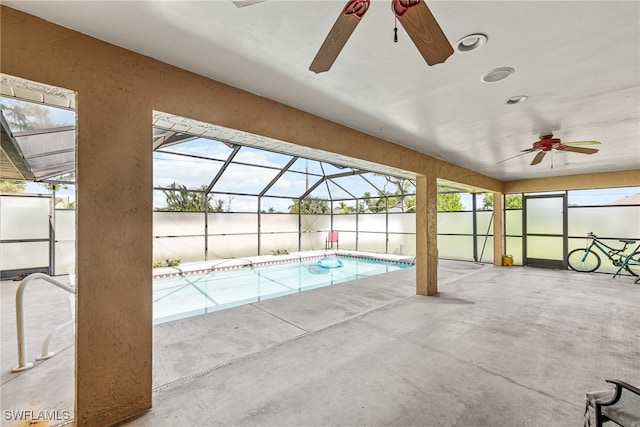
410, 203
396, 198
402, 187
310, 205
27, 116
343, 208
375, 204
511, 201
181, 199
11, 186
62, 182
449, 202
65, 203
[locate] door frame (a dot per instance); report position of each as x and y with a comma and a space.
548, 263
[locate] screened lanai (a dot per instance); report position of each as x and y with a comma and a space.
283, 198
263, 196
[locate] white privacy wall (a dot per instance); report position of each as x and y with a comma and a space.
194, 236
24, 232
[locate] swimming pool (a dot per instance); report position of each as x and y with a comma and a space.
186, 295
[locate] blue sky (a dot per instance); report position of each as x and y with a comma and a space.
241, 178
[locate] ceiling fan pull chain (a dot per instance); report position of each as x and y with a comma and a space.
395, 31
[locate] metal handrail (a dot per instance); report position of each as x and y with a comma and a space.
22, 345
45, 353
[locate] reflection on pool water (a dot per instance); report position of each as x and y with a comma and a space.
194, 294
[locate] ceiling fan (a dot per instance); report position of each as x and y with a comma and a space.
548, 143
415, 17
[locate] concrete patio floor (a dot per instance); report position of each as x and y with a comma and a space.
497, 347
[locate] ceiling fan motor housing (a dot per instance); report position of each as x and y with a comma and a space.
356, 7
547, 143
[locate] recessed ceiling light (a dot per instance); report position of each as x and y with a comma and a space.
471, 42
498, 74
517, 99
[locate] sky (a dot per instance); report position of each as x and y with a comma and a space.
241, 178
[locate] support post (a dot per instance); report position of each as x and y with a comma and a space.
426, 235
114, 255
498, 228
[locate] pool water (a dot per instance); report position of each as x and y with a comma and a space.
191, 295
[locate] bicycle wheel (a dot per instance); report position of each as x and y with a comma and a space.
633, 265
583, 260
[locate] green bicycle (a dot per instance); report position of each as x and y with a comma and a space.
587, 260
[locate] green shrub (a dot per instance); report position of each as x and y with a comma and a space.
173, 262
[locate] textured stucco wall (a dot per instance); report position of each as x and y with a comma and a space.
427, 234
627, 178
114, 302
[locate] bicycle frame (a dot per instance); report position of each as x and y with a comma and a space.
610, 253
627, 261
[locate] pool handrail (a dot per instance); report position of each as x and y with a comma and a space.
22, 345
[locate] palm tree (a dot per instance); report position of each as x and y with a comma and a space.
343, 208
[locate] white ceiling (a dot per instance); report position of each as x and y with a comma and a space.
579, 63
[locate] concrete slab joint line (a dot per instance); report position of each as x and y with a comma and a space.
278, 317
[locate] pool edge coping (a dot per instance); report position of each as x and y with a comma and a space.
265, 260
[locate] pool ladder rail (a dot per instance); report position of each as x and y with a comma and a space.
22, 345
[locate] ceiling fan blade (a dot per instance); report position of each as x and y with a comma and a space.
422, 27
340, 32
576, 143
579, 149
522, 153
538, 158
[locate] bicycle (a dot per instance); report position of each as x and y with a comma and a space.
586, 260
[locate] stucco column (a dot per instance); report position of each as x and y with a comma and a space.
426, 235
498, 228
114, 255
